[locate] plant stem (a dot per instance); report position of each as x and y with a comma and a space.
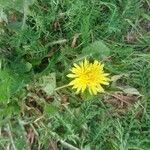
61, 87
68, 146
11, 138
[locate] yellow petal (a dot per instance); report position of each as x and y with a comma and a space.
106, 74
76, 66
72, 82
71, 75
90, 91
104, 82
94, 90
83, 88
102, 66
96, 62
88, 75
100, 89
78, 90
86, 62
75, 70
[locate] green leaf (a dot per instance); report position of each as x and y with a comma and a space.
21, 67
86, 95
98, 50
146, 16
28, 66
5, 83
129, 90
48, 83
18, 5
3, 16
116, 78
15, 26
50, 109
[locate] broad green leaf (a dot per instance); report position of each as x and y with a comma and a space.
21, 67
98, 50
48, 83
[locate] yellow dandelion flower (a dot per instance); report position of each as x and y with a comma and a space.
86, 75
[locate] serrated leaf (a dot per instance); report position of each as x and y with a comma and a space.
98, 50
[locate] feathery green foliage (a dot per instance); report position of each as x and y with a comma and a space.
39, 42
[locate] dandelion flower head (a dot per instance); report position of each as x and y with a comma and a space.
86, 75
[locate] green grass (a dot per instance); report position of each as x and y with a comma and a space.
40, 40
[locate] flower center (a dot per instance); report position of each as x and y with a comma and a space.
88, 77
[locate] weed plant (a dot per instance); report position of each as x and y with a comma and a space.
39, 42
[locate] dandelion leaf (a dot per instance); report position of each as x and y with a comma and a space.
48, 83
98, 50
